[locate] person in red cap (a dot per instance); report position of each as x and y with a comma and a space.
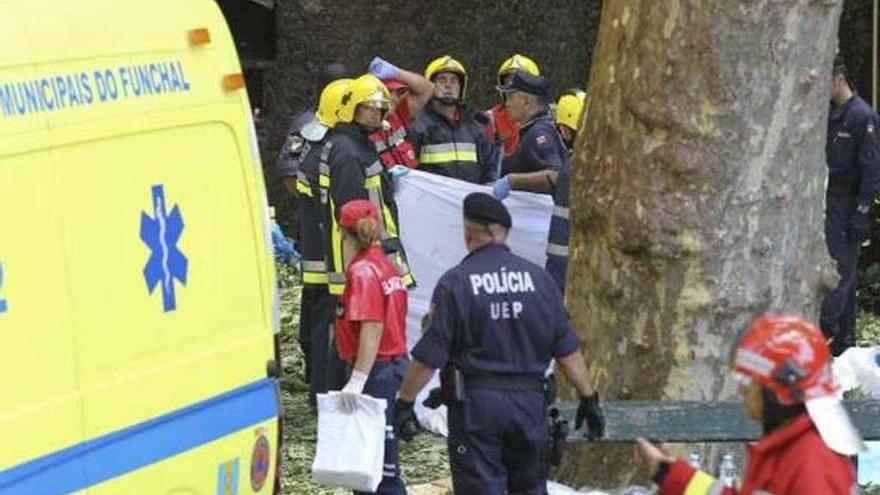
371, 328
410, 92
783, 365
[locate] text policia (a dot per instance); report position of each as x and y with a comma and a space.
88, 87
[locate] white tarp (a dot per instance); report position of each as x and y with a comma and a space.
431, 223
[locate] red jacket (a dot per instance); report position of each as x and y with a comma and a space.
502, 128
791, 460
393, 145
373, 292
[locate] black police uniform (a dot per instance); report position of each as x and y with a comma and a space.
458, 149
853, 157
300, 158
501, 319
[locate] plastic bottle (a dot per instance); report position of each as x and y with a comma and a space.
694, 460
727, 471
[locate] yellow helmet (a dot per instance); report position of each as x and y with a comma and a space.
517, 62
569, 108
448, 64
331, 102
365, 90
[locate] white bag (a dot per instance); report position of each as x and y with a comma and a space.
859, 367
351, 447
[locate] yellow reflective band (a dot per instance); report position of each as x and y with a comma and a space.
336, 242
373, 182
408, 280
700, 484
324, 181
315, 278
390, 227
426, 158
304, 189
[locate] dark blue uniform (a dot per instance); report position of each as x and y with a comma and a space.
853, 157
541, 147
501, 318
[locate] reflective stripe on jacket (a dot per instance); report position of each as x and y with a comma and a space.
457, 149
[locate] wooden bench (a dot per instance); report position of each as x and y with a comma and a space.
697, 422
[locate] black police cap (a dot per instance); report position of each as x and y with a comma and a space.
484, 208
527, 83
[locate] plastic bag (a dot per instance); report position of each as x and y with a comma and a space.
351, 447
859, 367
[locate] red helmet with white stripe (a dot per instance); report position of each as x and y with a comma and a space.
787, 355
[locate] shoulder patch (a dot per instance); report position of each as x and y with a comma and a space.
542, 139
870, 129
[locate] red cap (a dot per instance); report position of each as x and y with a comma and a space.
356, 209
393, 84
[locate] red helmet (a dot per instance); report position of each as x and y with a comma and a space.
787, 355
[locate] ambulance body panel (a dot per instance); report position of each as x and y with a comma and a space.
137, 301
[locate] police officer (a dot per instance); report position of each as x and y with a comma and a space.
853, 155
350, 169
495, 322
449, 137
541, 163
501, 128
298, 171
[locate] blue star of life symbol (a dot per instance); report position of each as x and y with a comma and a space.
160, 233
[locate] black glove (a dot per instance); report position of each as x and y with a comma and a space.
406, 425
590, 411
859, 225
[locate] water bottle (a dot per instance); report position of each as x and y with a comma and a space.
694, 460
727, 471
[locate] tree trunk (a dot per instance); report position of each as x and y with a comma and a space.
698, 194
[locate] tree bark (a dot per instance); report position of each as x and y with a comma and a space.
698, 194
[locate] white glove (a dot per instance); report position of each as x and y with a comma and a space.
350, 392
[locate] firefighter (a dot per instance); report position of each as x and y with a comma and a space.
350, 169
783, 365
569, 108
501, 129
298, 172
540, 164
371, 328
852, 152
495, 322
449, 137
410, 92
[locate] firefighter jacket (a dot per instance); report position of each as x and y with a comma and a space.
350, 169
790, 460
457, 149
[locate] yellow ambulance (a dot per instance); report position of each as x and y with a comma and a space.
137, 304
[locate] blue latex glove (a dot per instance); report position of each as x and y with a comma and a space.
502, 188
284, 249
397, 171
383, 69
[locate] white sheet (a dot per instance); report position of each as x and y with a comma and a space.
430, 210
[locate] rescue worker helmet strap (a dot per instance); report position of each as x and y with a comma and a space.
448, 64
